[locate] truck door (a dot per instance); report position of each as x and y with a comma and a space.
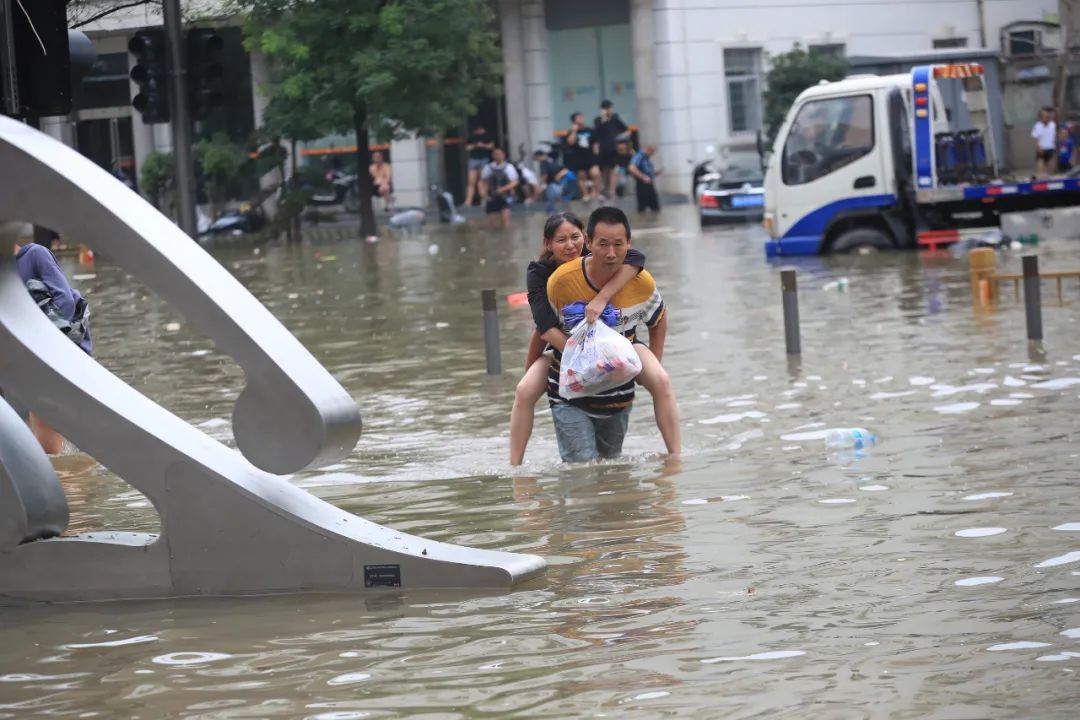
832, 162
900, 145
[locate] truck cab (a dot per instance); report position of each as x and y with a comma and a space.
871, 162
839, 165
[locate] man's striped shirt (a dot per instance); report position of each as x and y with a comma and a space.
639, 302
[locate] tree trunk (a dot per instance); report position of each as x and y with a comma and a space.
294, 232
363, 162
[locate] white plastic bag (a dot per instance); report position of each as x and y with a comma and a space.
596, 359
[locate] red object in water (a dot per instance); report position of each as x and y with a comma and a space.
518, 298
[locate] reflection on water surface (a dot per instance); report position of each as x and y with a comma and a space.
935, 575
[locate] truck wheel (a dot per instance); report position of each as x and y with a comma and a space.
862, 241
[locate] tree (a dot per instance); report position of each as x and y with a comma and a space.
220, 162
158, 174
87, 12
393, 66
791, 73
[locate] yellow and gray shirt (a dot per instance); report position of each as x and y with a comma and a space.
639, 302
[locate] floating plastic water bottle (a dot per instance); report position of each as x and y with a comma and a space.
849, 438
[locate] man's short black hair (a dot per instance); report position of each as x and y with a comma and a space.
608, 215
606, 104
575, 114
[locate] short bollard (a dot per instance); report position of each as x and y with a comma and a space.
491, 333
789, 292
981, 265
1032, 297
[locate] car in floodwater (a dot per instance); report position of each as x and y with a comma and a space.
735, 193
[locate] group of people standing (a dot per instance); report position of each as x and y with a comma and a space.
592, 155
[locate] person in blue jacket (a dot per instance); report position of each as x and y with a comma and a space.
36, 262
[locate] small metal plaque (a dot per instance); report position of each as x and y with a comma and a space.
382, 576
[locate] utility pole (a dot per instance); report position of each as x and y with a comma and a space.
181, 119
1069, 18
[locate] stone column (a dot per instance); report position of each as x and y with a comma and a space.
61, 128
142, 135
409, 160
260, 78
537, 77
514, 82
673, 135
644, 49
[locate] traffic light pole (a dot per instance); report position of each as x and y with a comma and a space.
181, 119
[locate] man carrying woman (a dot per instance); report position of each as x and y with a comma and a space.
564, 241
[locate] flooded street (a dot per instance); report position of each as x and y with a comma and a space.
936, 575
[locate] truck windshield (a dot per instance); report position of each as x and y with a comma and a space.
827, 135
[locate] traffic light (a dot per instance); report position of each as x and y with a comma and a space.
150, 73
39, 58
204, 72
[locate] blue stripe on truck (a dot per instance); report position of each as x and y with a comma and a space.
804, 237
924, 131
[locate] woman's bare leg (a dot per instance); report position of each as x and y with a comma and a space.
474, 175
529, 389
51, 441
655, 379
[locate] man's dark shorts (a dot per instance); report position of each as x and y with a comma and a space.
608, 159
580, 161
583, 437
497, 203
1045, 155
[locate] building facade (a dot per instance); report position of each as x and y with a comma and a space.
690, 73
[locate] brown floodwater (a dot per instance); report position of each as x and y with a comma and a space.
935, 575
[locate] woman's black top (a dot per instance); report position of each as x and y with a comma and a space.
536, 277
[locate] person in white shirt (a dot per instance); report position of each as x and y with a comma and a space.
497, 182
1044, 133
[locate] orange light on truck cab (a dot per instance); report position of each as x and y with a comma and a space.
960, 70
921, 114
920, 87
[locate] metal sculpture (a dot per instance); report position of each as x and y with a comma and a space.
229, 526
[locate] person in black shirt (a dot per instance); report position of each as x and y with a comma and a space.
479, 148
564, 241
607, 129
580, 158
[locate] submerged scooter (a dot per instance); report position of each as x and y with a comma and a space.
344, 190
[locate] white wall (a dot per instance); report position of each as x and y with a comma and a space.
690, 37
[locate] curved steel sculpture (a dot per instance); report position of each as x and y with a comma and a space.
229, 526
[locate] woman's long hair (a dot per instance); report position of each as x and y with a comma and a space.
552, 225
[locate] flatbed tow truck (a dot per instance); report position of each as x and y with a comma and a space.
876, 163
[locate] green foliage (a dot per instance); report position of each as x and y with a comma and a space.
791, 73
392, 66
220, 162
412, 65
158, 171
